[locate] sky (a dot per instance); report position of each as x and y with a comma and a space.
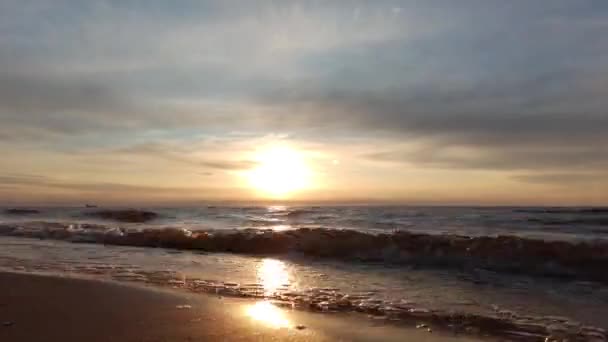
484, 102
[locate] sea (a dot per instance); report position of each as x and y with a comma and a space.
518, 273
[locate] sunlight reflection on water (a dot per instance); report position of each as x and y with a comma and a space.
273, 275
282, 227
276, 208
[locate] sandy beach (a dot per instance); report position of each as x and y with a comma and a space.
43, 308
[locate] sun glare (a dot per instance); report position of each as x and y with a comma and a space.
280, 171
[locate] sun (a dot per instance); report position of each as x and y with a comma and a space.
279, 172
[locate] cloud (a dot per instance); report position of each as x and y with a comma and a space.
228, 165
481, 85
42, 106
550, 121
37, 181
33, 92
21, 179
563, 179
358, 69
506, 157
173, 152
111, 68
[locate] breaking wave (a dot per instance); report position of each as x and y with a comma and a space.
578, 260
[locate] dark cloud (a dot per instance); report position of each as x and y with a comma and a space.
39, 106
551, 121
543, 108
36, 106
525, 86
30, 93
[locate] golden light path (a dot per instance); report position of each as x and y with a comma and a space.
272, 274
280, 171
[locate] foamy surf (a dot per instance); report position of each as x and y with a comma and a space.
317, 291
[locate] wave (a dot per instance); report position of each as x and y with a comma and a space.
598, 221
277, 217
295, 213
126, 215
261, 221
582, 260
21, 211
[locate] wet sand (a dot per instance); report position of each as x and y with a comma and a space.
43, 308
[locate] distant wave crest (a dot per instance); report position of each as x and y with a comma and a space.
597, 210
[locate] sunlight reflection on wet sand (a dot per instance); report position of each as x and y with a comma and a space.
268, 314
272, 275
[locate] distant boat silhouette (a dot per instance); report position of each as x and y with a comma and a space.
90, 206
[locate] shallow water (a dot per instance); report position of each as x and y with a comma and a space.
395, 291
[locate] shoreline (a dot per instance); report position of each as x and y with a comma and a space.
35, 307
327, 301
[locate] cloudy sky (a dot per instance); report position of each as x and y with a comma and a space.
442, 102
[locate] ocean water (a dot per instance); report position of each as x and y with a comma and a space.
525, 273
